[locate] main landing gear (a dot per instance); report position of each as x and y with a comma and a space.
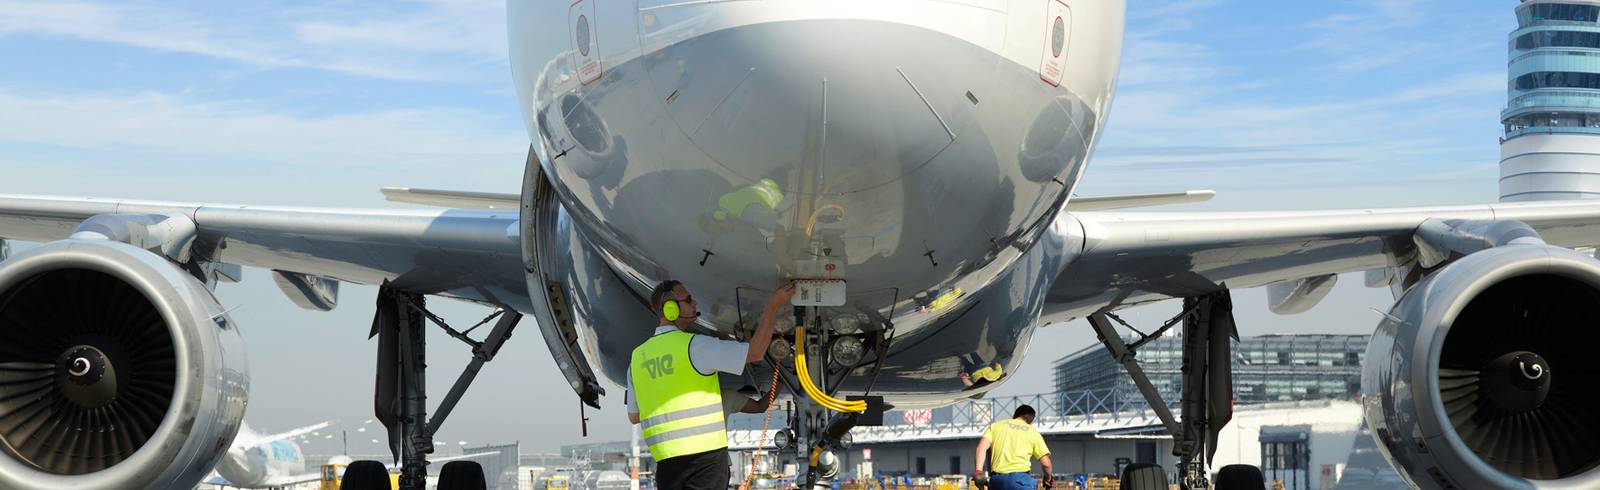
401, 398
1207, 400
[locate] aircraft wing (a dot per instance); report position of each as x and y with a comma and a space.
1135, 257
452, 199
1103, 203
467, 254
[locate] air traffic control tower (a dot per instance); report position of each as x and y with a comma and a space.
1551, 146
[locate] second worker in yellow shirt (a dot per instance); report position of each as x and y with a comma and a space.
1015, 442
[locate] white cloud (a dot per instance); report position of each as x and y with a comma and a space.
433, 42
136, 26
1148, 61
1375, 34
1273, 124
166, 146
1163, 9
474, 28
173, 123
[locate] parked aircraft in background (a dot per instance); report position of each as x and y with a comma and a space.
266, 461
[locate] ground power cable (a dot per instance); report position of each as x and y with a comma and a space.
817, 395
772, 396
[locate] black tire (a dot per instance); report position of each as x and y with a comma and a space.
365, 475
1240, 477
462, 475
1143, 476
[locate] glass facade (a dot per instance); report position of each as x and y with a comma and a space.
1265, 369
1553, 79
1540, 12
1557, 79
1558, 39
1548, 147
1286, 455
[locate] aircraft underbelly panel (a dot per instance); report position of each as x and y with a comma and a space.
916, 158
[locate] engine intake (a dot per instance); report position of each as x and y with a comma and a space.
1485, 374
117, 370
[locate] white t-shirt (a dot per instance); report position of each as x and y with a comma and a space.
708, 354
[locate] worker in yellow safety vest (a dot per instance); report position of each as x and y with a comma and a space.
673, 391
1015, 441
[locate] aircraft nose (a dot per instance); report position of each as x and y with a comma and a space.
850, 104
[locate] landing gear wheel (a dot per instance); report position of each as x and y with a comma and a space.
1143, 476
1240, 477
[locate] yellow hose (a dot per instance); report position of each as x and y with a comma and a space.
817, 395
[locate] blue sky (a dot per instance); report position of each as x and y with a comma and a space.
1274, 104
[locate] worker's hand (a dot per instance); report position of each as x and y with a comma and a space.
782, 295
1049, 480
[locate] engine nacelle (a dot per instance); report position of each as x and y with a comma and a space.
118, 370
1487, 374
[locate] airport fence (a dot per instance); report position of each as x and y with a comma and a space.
1082, 408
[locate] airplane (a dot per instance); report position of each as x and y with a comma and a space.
276, 461
265, 460
913, 161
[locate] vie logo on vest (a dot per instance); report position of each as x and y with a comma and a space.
658, 366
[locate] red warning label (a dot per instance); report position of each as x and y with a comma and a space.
1057, 38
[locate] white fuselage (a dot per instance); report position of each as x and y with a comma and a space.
915, 148
265, 465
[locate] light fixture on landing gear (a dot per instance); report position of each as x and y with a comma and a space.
783, 325
847, 324
780, 349
845, 441
847, 351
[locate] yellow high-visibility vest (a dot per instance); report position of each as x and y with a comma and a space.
680, 410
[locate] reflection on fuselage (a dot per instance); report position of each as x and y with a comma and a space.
917, 147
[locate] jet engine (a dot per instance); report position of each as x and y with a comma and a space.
118, 370
1486, 374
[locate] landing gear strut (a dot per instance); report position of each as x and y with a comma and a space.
813, 452
401, 398
1207, 400
819, 433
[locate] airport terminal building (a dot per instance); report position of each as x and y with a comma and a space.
1268, 368
1296, 418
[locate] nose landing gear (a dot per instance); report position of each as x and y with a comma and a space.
820, 423
820, 436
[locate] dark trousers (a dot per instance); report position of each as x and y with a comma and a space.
700, 471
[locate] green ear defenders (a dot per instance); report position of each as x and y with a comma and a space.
669, 310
